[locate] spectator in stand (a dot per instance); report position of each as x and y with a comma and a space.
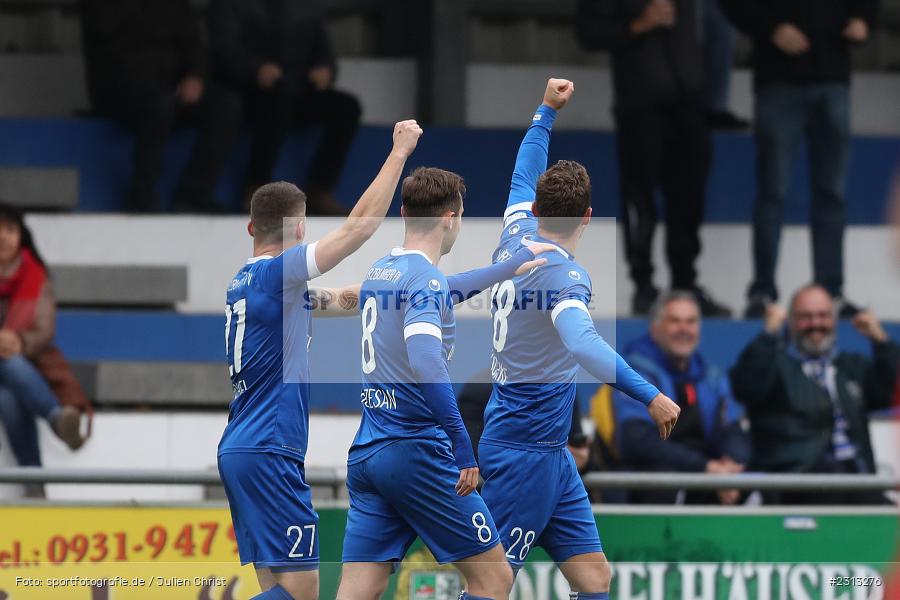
663, 139
807, 402
146, 66
277, 54
718, 57
473, 400
801, 85
709, 436
35, 379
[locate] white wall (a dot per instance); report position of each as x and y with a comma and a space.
174, 441
188, 441
215, 247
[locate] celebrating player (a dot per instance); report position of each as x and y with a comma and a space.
411, 469
542, 331
261, 454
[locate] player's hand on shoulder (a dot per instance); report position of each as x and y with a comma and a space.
406, 136
468, 481
536, 249
664, 413
558, 93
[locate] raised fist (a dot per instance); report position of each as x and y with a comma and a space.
774, 318
867, 324
558, 93
406, 136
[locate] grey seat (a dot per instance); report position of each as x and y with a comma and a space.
190, 385
40, 188
119, 286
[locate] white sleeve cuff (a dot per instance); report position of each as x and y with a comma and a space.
570, 303
312, 269
422, 329
510, 211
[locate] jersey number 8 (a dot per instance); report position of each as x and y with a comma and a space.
369, 319
503, 298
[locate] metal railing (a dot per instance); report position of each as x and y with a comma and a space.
335, 478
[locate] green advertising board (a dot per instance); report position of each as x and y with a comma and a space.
687, 554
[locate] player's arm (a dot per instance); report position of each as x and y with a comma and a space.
369, 211
531, 160
576, 329
424, 347
334, 302
466, 285
426, 358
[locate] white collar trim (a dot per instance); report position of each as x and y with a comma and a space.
254, 259
526, 241
404, 251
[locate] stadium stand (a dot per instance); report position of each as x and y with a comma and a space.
133, 351
99, 151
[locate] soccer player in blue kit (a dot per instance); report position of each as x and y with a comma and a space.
542, 332
411, 469
267, 332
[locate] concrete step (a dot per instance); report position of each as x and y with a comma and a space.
119, 286
40, 188
158, 384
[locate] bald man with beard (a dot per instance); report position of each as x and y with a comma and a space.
808, 403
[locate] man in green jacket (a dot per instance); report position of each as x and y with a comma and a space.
808, 403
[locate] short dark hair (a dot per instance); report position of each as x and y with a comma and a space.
428, 193
271, 204
563, 196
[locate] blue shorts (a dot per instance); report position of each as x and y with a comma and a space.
271, 509
538, 499
405, 490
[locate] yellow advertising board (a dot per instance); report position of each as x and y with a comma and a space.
120, 553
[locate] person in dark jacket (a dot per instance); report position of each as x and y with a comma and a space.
147, 67
719, 41
709, 436
663, 140
277, 54
808, 402
801, 75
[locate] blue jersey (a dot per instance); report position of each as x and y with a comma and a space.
402, 295
533, 372
267, 334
